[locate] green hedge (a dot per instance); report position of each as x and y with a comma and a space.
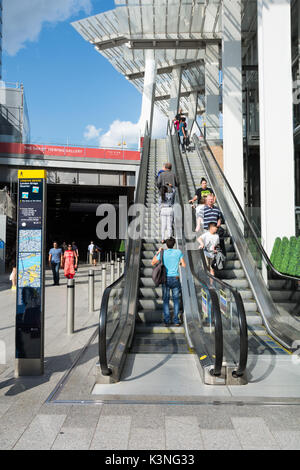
285, 255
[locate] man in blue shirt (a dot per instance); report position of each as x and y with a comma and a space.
55, 261
172, 259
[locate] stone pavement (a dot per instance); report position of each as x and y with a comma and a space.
27, 422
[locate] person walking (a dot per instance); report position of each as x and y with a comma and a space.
182, 134
55, 262
13, 275
95, 255
166, 177
166, 203
90, 250
201, 192
75, 249
200, 215
209, 242
172, 259
211, 213
70, 261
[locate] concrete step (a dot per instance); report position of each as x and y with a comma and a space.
146, 282
233, 264
238, 283
155, 304
231, 273
253, 318
157, 328
149, 316
150, 292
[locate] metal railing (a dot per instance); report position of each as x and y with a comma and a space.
119, 300
249, 249
237, 324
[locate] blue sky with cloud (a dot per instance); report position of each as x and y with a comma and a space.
73, 94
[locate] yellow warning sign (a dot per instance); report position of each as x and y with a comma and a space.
32, 174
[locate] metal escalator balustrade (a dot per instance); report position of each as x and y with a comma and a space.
279, 323
119, 300
151, 336
228, 322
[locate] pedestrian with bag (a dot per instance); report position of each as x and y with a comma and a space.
170, 259
166, 203
209, 242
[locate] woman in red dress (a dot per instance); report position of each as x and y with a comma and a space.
70, 262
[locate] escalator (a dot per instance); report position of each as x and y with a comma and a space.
151, 337
131, 314
271, 299
130, 320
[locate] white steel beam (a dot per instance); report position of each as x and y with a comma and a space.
232, 98
212, 91
276, 121
149, 91
175, 92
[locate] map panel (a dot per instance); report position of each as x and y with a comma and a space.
29, 270
30, 241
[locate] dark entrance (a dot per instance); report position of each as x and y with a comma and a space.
71, 215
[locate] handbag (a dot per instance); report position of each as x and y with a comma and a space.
159, 272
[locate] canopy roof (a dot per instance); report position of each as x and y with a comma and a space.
177, 30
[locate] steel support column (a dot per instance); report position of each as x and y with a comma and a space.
192, 110
232, 97
149, 91
212, 91
276, 120
175, 92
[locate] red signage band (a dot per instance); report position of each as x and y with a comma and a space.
64, 151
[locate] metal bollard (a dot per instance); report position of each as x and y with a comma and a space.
112, 271
70, 306
103, 278
118, 268
91, 289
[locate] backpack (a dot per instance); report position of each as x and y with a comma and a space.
218, 261
159, 271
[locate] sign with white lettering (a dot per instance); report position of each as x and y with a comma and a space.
30, 272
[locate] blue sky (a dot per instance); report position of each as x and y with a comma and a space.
68, 85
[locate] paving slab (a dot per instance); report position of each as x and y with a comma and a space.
160, 375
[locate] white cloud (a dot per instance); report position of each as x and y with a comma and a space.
23, 20
92, 133
130, 132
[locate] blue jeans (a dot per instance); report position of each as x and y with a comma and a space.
55, 272
173, 283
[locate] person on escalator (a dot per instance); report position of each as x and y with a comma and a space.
166, 210
204, 190
182, 134
209, 242
166, 177
172, 259
211, 213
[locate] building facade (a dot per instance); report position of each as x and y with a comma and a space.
175, 55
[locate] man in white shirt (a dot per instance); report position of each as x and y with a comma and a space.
90, 250
209, 242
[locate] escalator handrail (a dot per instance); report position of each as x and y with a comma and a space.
132, 257
243, 356
248, 223
218, 360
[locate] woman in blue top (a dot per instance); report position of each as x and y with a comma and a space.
172, 259
182, 133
